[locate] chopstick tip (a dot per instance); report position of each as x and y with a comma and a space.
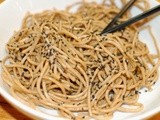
103, 32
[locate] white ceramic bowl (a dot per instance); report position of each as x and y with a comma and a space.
11, 15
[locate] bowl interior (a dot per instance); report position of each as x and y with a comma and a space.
12, 13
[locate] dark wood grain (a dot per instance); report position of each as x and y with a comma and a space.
7, 112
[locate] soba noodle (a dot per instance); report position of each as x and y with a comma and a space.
58, 60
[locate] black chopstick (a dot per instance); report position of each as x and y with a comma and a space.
134, 19
124, 9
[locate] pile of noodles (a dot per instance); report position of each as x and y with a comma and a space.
58, 60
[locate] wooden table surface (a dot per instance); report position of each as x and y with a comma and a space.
7, 112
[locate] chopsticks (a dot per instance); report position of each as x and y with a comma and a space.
132, 20
115, 19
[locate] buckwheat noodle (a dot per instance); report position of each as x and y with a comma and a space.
58, 60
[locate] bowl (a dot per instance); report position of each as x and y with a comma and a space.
11, 15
